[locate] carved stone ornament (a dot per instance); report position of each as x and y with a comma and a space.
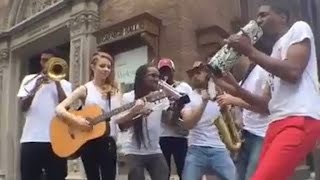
75, 63
4, 58
1, 85
31, 7
4, 61
83, 23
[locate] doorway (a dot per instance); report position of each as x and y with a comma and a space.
34, 66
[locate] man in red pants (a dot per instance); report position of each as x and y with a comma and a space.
292, 93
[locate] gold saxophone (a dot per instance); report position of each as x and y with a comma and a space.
225, 124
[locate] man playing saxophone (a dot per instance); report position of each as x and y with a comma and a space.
206, 153
254, 124
292, 94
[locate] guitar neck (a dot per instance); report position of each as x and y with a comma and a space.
107, 116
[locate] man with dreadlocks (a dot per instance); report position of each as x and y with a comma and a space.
142, 147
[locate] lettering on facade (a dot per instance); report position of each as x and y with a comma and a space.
38, 30
122, 32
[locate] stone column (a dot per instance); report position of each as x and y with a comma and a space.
83, 22
4, 60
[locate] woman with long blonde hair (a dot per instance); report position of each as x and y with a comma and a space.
99, 155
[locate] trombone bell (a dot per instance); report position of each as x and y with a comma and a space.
56, 69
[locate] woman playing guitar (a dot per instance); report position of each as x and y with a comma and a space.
98, 155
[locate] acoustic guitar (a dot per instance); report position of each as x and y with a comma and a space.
67, 139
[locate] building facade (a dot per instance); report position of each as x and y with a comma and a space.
134, 32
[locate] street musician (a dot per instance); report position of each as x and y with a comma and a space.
173, 140
291, 95
206, 153
99, 155
39, 95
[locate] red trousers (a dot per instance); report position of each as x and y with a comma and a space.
286, 144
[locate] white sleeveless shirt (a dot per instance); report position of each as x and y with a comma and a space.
94, 97
301, 98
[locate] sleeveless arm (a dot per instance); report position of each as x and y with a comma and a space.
294, 60
61, 109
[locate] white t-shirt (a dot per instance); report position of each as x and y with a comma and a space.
94, 96
151, 127
255, 123
167, 131
301, 98
42, 109
205, 132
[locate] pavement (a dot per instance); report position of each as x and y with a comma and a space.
174, 177
124, 177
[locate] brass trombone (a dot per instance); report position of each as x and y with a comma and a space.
55, 69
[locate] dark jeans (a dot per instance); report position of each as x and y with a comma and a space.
155, 164
176, 147
310, 162
99, 157
248, 156
36, 158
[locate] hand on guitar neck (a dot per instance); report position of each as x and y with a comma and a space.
91, 122
138, 107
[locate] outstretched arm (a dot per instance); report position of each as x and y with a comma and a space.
252, 102
292, 62
290, 69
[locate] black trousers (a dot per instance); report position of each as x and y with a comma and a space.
99, 157
176, 147
38, 160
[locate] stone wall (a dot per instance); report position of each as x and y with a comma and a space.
179, 19
4, 8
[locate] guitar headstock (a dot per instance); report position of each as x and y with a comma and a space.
155, 96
